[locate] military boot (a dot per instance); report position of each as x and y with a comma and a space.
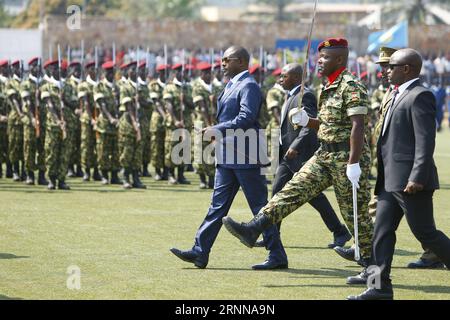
1, 170
52, 183
16, 172
145, 172
181, 178
203, 182
165, 175
41, 178
126, 179
171, 178
79, 172
211, 182
9, 172
97, 176
62, 185
248, 233
23, 173
115, 177
30, 178
158, 176
71, 172
137, 182
87, 175
105, 180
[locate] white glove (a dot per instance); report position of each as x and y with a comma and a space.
299, 117
354, 173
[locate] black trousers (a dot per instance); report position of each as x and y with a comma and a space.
418, 210
320, 203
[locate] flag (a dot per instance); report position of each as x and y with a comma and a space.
395, 37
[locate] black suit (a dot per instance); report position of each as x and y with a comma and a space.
405, 153
305, 142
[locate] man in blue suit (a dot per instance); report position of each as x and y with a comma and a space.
238, 108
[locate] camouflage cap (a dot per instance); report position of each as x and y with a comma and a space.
385, 54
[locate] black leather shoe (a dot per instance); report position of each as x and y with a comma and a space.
260, 244
190, 256
347, 254
340, 238
270, 265
247, 233
374, 294
360, 279
426, 264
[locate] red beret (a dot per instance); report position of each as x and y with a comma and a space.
128, 65
333, 43
276, 72
74, 64
33, 60
202, 66
50, 63
4, 63
15, 62
90, 64
254, 68
64, 65
363, 75
189, 67
108, 65
163, 67
143, 64
177, 66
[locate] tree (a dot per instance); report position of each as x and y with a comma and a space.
5, 18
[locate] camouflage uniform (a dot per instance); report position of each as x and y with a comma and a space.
145, 115
343, 98
71, 103
28, 94
374, 115
107, 143
15, 126
202, 92
157, 127
264, 116
275, 99
55, 145
88, 139
130, 149
4, 111
172, 93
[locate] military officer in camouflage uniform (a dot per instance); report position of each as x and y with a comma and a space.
274, 101
145, 114
178, 106
15, 125
157, 123
29, 92
258, 73
57, 156
203, 98
130, 137
4, 111
88, 119
74, 124
107, 124
342, 160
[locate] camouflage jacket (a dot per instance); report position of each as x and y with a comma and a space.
105, 92
145, 102
202, 92
50, 91
4, 106
172, 92
13, 92
344, 98
86, 89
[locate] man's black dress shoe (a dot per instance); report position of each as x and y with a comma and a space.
340, 238
426, 264
374, 294
360, 279
347, 254
270, 265
260, 244
190, 256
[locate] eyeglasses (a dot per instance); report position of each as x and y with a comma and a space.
392, 66
227, 59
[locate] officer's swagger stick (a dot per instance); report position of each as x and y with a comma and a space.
355, 219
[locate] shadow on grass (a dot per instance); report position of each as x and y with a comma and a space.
3, 297
322, 272
426, 289
8, 256
306, 248
307, 286
406, 253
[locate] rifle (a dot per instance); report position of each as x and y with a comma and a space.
182, 87
135, 115
36, 109
63, 122
94, 115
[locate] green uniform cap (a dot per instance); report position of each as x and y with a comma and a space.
385, 54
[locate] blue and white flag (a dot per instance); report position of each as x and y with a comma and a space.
395, 37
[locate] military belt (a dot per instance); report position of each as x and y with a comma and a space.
335, 147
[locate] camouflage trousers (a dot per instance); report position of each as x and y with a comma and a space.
130, 150
108, 152
206, 163
157, 136
146, 140
40, 151
57, 155
3, 145
75, 151
323, 170
87, 148
168, 148
29, 145
15, 143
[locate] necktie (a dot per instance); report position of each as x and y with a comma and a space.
389, 110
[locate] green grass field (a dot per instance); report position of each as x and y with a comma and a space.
120, 240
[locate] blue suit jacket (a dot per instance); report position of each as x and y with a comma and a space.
238, 108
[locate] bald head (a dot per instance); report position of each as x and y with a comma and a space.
404, 65
291, 76
293, 68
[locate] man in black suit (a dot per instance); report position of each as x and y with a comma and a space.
407, 175
298, 145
